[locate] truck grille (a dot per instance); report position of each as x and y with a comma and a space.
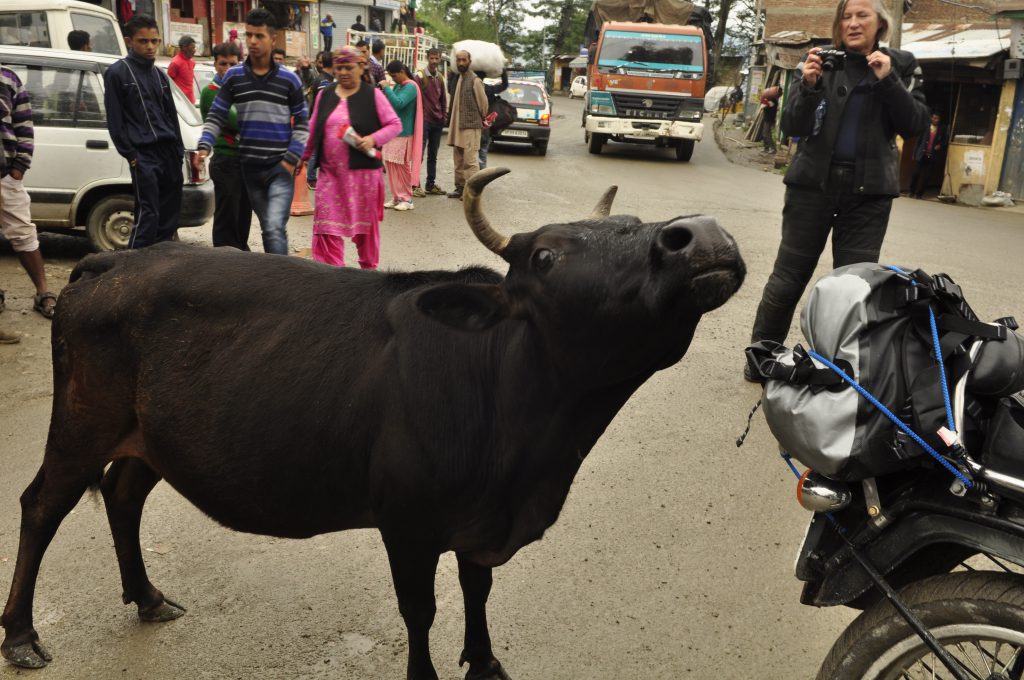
640, 106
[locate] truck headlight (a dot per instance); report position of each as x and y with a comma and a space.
601, 103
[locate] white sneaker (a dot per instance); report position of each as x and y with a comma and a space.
405, 205
389, 204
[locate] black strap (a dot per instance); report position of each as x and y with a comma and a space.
978, 329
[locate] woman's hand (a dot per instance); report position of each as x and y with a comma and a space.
366, 143
880, 64
812, 68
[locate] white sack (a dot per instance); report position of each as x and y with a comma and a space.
485, 56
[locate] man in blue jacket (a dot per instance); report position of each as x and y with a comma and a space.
143, 123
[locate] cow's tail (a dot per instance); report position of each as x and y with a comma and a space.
94, 265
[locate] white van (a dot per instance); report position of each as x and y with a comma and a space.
46, 23
77, 177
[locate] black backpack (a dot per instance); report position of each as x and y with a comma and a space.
879, 326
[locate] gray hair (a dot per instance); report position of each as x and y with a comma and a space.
884, 22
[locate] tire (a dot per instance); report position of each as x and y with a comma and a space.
596, 142
541, 148
962, 610
110, 221
684, 149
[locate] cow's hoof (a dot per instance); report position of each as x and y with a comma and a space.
492, 671
27, 655
165, 611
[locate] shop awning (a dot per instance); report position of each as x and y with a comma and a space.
939, 42
578, 62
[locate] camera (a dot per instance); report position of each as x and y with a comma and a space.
832, 60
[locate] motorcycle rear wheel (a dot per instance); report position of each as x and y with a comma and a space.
978, 617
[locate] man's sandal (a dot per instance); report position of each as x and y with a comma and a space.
45, 304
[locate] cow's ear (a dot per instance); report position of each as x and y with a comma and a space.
465, 306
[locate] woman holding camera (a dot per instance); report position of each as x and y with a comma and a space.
846, 109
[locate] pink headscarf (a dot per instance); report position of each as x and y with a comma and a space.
347, 55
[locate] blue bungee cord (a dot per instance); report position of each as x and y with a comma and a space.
950, 423
896, 421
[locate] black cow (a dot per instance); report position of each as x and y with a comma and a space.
451, 410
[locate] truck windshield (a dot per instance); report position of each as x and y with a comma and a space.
653, 51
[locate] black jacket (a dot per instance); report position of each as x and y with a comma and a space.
921, 150
894, 106
140, 106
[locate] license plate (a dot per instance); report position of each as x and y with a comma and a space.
515, 133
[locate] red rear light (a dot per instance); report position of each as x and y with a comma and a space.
545, 119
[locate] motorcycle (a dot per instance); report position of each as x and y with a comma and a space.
930, 562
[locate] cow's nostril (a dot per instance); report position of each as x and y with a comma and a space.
675, 238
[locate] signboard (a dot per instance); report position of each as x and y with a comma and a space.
179, 29
974, 164
296, 44
388, 4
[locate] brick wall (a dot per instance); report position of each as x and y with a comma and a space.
936, 12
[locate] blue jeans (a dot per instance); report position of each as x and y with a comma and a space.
432, 142
270, 191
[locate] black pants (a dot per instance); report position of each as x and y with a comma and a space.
919, 180
769, 133
857, 224
328, 40
232, 213
158, 180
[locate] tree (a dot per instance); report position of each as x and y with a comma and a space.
564, 22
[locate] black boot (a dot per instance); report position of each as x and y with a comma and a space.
456, 194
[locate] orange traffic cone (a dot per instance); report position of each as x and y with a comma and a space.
300, 199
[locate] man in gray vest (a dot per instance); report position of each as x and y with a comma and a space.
469, 107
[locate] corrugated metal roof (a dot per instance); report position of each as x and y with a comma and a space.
937, 42
789, 38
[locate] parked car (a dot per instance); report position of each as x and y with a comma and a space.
533, 115
46, 23
203, 76
77, 178
579, 87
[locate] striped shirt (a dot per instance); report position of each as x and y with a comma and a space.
15, 122
273, 124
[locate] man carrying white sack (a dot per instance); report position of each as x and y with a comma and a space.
469, 107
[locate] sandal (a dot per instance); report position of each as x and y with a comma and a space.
40, 305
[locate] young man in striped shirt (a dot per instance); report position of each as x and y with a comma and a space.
273, 127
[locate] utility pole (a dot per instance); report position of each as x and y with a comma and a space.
896, 32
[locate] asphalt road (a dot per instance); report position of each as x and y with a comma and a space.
673, 555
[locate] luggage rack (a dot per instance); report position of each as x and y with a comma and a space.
977, 470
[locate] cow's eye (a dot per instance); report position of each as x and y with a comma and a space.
543, 259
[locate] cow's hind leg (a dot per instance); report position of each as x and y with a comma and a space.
413, 570
44, 505
125, 487
476, 587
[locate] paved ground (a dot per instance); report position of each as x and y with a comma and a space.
672, 558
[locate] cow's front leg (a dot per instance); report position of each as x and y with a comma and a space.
413, 569
476, 587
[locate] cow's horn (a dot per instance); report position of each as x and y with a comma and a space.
604, 206
478, 222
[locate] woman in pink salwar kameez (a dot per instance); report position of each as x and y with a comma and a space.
349, 182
